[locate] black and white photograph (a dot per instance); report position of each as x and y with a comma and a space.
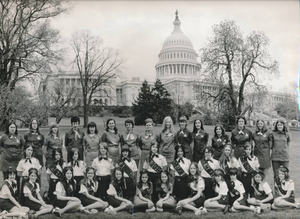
149, 109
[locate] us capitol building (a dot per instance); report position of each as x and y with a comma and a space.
177, 68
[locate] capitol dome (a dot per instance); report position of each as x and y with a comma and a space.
177, 57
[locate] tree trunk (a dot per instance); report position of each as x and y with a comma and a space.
85, 115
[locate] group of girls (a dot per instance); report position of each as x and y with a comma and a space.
101, 172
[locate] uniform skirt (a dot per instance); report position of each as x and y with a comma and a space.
241, 202
6, 204
181, 189
199, 201
262, 197
113, 201
85, 201
154, 177
208, 190
224, 200
103, 185
31, 204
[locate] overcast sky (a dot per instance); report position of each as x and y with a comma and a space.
138, 28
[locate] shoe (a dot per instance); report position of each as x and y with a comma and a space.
151, 209
258, 210
129, 207
204, 210
179, 209
57, 213
226, 209
298, 205
198, 212
93, 211
106, 210
112, 212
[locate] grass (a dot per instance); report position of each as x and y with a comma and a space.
287, 214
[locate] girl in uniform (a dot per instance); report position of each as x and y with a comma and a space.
207, 166
221, 201
196, 198
219, 141
166, 140
33, 199
53, 141
239, 136
237, 193
144, 189
8, 196
36, 139
180, 170
165, 189
146, 140
249, 165
115, 193
79, 168
91, 143
184, 137
64, 195
200, 139
284, 190
103, 166
130, 138
55, 171
263, 195
128, 166
228, 160
88, 188
112, 138
155, 164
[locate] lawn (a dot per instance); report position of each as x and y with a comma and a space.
294, 173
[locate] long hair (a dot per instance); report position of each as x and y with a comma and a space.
197, 174
140, 183
218, 172
263, 129
85, 179
118, 183
61, 161
27, 146
34, 170
164, 128
194, 126
64, 179
285, 170
115, 128
221, 127
248, 145
30, 125
92, 124
72, 152
103, 144
223, 156
125, 149
9, 124
151, 153
241, 117
167, 183
176, 151
284, 130
50, 129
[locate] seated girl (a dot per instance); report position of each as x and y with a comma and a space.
88, 188
164, 189
284, 190
221, 201
142, 199
115, 193
32, 197
263, 195
196, 198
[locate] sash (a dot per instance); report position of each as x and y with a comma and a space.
69, 190
32, 189
56, 172
178, 168
146, 193
119, 189
126, 169
90, 189
246, 165
207, 167
155, 166
283, 192
13, 193
232, 190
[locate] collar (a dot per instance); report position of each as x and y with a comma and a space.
72, 130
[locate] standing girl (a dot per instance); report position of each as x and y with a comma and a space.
88, 188
164, 189
33, 199
91, 143
166, 140
207, 166
280, 146
200, 139
180, 169
128, 166
196, 186
221, 201
115, 193
262, 146
36, 139
11, 145
219, 141
239, 136
112, 138
53, 141
130, 138
144, 189
103, 166
146, 140
249, 165
155, 164
227, 160
284, 190
79, 167
184, 137
55, 171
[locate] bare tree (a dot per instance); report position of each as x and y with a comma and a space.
97, 67
235, 62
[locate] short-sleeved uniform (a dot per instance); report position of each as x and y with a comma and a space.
200, 140
222, 189
73, 140
167, 145
103, 168
54, 178
146, 192
262, 148
184, 137
113, 142
285, 186
33, 189
261, 191
194, 188
181, 189
79, 168
90, 187
218, 144
59, 188
238, 140
52, 142
8, 188
115, 189
37, 140
162, 191
27, 163
91, 145
236, 188
131, 140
